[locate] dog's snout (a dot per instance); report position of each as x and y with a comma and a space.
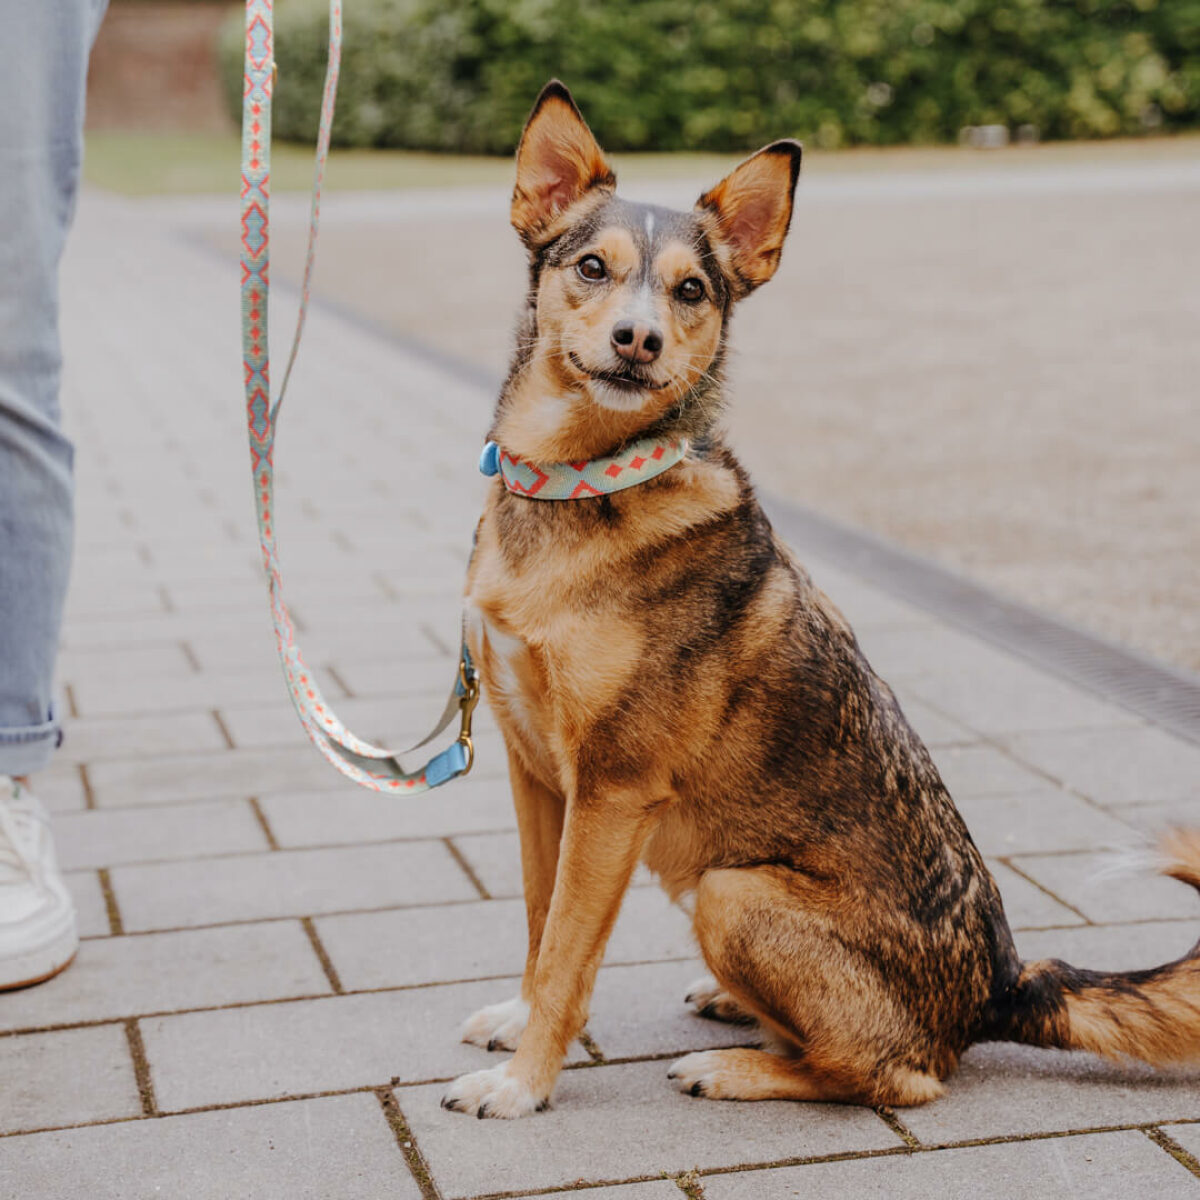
637, 341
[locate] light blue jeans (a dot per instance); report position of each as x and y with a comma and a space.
42, 89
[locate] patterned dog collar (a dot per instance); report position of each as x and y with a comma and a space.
635, 464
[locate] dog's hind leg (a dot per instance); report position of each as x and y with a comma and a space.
766, 936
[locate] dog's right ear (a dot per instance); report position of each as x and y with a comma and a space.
558, 162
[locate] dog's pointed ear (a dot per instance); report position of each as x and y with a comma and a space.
749, 211
558, 162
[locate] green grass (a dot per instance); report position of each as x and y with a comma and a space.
146, 164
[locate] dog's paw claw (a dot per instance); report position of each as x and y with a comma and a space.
492, 1093
497, 1027
701, 991
709, 1001
697, 1074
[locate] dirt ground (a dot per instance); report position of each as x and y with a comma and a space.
997, 367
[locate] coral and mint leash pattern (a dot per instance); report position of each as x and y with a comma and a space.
369, 765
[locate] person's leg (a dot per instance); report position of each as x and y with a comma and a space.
42, 89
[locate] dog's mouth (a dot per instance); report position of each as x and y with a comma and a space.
622, 380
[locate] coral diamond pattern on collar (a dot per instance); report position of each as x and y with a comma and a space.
638, 462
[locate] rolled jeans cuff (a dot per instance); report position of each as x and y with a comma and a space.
28, 748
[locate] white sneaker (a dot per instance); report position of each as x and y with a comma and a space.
37, 915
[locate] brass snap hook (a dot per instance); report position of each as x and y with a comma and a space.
468, 677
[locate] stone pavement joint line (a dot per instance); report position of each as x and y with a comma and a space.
1160, 1137
275, 967
407, 1143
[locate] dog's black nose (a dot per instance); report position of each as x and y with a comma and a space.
637, 342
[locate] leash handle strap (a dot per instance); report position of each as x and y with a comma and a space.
371, 766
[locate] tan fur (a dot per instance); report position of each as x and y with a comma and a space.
672, 687
1150, 1015
558, 161
752, 210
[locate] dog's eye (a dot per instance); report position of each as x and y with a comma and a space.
690, 290
591, 268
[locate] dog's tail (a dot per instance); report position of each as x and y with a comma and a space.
1152, 1015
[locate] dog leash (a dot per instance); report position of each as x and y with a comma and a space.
369, 765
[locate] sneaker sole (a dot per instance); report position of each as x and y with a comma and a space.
36, 966
24, 983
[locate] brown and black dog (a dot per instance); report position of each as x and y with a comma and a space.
672, 688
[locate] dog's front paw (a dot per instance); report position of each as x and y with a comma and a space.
497, 1027
708, 1000
698, 1074
495, 1092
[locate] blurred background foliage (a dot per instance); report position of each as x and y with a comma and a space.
727, 75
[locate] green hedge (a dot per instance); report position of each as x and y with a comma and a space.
460, 75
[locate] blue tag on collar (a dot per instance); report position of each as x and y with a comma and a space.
489, 460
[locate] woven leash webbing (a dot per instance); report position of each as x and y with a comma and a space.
369, 765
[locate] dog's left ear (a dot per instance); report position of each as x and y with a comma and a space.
749, 212
558, 161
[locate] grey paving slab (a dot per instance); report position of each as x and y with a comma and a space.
227, 642
60, 789
984, 771
1004, 1090
1105, 888
267, 1051
399, 721
405, 947
66, 1077
195, 691
657, 1189
1111, 947
1101, 1166
617, 1122
381, 676
650, 928
1015, 698
106, 837
287, 883
1188, 1136
93, 740
161, 972
333, 1146
638, 1011
1026, 905
865, 606
91, 910
1153, 819
934, 728
354, 815
120, 636
124, 595
1043, 820
907, 654
496, 859
98, 669
206, 595
1133, 766
486, 939
126, 781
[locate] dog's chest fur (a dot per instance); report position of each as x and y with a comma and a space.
556, 606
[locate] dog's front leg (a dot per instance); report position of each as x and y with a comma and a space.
540, 822
602, 839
